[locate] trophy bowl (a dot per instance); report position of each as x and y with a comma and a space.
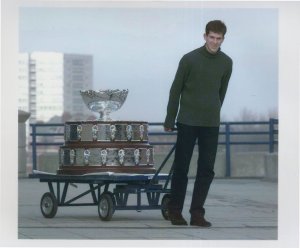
104, 101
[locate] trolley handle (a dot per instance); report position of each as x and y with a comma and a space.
162, 165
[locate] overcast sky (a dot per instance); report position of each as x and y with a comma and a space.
139, 49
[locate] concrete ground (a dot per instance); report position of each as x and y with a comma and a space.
239, 209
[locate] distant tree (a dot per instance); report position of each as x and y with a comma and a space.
55, 119
273, 113
66, 116
250, 115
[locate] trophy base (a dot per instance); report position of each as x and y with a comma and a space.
81, 170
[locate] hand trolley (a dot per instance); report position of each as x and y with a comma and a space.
153, 185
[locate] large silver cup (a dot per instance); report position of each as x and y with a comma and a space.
104, 101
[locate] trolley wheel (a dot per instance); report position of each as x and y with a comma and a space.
113, 199
164, 206
48, 205
106, 206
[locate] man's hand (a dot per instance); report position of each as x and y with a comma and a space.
168, 129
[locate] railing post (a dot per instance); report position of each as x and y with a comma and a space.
33, 146
271, 135
227, 136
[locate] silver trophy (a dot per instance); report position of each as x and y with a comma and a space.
104, 101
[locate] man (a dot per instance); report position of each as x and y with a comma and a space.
198, 91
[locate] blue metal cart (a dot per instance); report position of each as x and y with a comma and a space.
153, 185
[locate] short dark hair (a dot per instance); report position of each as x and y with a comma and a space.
216, 26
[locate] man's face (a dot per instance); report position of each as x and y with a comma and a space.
213, 41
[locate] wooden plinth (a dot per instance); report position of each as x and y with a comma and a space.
80, 170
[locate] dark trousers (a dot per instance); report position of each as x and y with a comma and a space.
207, 138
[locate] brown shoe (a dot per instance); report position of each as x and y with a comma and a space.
199, 221
177, 219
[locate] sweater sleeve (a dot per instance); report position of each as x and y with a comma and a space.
175, 92
224, 83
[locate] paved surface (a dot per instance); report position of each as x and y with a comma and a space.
239, 209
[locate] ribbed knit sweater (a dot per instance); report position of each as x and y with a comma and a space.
199, 89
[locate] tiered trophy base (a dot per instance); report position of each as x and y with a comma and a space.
81, 170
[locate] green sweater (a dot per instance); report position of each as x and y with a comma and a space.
199, 89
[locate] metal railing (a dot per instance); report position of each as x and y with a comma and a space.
226, 130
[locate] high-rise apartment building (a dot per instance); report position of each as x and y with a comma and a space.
49, 84
23, 83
